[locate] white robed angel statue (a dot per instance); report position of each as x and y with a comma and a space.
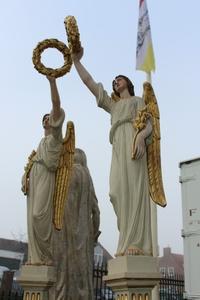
135, 175
46, 181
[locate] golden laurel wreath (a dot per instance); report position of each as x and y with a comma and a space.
52, 43
73, 34
74, 46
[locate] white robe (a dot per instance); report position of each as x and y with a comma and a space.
40, 196
129, 191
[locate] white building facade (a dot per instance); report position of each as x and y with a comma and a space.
190, 189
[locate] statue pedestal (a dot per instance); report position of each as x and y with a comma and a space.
36, 281
133, 277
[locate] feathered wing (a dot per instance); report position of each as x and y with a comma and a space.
27, 169
63, 175
153, 149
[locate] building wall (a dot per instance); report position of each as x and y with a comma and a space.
171, 264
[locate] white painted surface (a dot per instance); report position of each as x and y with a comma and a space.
190, 188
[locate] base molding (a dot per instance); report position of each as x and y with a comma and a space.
133, 277
36, 281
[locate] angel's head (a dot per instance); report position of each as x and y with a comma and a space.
46, 125
121, 83
45, 121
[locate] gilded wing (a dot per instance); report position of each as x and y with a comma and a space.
153, 149
27, 170
63, 175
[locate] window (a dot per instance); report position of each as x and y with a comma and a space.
171, 271
163, 271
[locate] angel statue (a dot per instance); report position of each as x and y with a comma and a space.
41, 180
135, 174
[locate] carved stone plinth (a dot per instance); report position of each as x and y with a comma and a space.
133, 277
36, 281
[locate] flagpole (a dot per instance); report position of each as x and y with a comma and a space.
154, 227
153, 205
145, 62
148, 74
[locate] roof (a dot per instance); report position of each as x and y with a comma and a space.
106, 254
13, 245
189, 161
10, 263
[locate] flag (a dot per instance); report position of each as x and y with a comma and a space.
144, 53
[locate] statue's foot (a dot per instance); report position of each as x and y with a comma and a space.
134, 251
48, 263
131, 251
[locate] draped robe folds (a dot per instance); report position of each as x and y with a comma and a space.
40, 196
74, 244
129, 192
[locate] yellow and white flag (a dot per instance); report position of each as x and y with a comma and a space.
144, 53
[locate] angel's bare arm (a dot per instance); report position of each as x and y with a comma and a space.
55, 98
84, 74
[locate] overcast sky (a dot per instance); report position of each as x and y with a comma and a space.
108, 31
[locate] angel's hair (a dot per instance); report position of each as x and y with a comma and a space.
129, 85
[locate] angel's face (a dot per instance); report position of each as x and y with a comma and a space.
120, 84
45, 122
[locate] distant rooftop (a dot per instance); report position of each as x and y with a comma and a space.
13, 245
189, 161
